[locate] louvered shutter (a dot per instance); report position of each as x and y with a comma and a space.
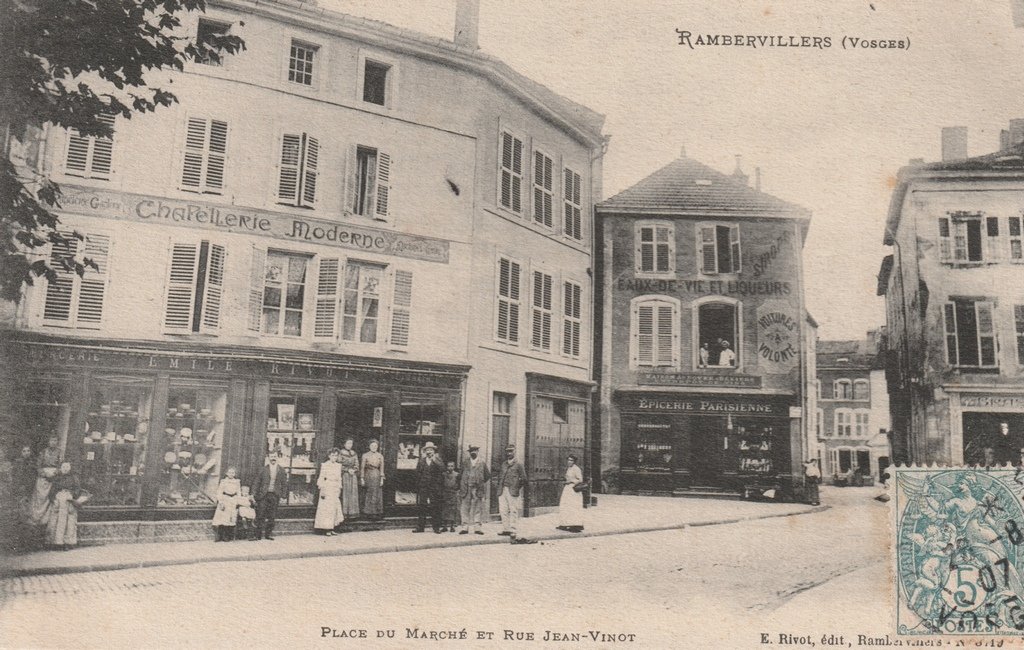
645, 335
288, 173
663, 249
256, 278
952, 342
383, 184
517, 179
60, 291
541, 321
195, 148
90, 157
734, 247
213, 291
93, 284
309, 171
216, 155
666, 336
708, 250
986, 334
513, 312
351, 177
645, 250
181, 285
325, 319
101, 164
76, 160
401, 309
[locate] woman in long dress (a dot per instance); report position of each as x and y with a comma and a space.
371, 472
349, 480
62, 525
225, 517
328, 507
570, 505
46, 471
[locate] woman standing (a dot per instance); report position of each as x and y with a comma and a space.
226, 515
46, 471
349, 480
570, 506
371, 471
328, 508
62, 526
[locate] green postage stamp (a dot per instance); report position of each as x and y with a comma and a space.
959, 551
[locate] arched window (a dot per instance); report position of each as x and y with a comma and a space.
842, 389
718, 334
861, 389
654, 332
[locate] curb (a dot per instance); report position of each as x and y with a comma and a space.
398, 548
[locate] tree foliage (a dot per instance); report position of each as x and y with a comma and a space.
69, 63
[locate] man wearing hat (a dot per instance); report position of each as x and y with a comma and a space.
510, 492
472, 485
429, 489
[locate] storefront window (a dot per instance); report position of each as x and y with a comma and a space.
190, 463
422, 421
756, 447
114, 446
652, 447
43, 412
291, 432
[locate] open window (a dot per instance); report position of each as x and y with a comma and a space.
718, 329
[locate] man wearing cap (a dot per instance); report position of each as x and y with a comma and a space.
267, 489
472, 485
429, 489
510, 492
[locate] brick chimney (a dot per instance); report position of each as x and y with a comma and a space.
1016, 135
738, 172
467, 23
954, 143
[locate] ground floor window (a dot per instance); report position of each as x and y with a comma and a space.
291, 433
192, 443
116, 436
422, 421
993, 438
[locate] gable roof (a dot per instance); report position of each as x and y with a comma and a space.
685, 186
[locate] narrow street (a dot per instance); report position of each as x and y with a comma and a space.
651, 585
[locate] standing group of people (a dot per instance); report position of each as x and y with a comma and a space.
339, 482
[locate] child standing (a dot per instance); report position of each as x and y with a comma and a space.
226, 515
246, 527
450, 510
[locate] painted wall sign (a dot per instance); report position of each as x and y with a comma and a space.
707, 405
249, 221
718, 380
778, 337
719, 287
992, 401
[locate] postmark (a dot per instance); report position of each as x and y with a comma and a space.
959, 551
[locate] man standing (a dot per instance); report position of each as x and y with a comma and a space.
472, 485
429, 489
270, 485
510, 492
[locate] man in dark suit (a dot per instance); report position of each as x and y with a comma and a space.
472, 488
429, 489
270, 485
510, 496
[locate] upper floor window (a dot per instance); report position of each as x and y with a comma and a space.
89, 156
1018, 319
301, 60
206, 34
297, 171
970, 333
718, 330
861, 389
543, 189
206, 146
1014, 232
371, 184
719, 249
572, 220
572, 319
844, 422
655, 248
541, 313
359, 288
508, 301
654, 332
818, 422
969, 237
284, 293
376, 80
195, 286
842, 389
861, 422
511, 172
77, 300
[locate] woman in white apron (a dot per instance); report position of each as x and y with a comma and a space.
328, 507
570, 506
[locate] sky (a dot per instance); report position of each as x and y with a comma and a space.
829, 128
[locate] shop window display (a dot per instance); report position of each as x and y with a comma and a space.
755, 447
422, 420
192, 442
114, 445
291, 432
43, 411
652, 447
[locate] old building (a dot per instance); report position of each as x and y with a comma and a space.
955, 304
853, 408
702, 334
347, 230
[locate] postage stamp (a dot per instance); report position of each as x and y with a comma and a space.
959, 551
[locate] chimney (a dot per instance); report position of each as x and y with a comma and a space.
1016, 132
1004, 140
738, 172
757, 178
954, 143
467, 23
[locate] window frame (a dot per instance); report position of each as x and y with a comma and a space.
315, 63
951, 334
546, 312
73, 320
1018, 317
572, 203
303, 173
1015, 253
546, 192
220, 58
861, 423
737, 345
205, 155
957, 239
735, 247
842, 424
572, 323
199, 323
654, 301
866, 384
304, 327
517, 301
90, 142
382, 303
638, 247
842, 381
376, 196
513, 175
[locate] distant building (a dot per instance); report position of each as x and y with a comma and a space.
702, 334
852, 420
955, 307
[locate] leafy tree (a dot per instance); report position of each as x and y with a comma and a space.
70, 63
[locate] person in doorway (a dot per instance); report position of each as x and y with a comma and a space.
450, 510
429, 489
62, 525
726, 358
812, 477
328, 507
511, 482
371, 477
270, 485
472, 486
570, 505
988, 458
349, 480
225, 516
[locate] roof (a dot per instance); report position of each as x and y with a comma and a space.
585, 122
846, 354
687, 186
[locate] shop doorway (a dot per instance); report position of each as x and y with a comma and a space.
501, 428
1003, 432
706, 451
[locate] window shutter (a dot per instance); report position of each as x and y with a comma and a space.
181, 283
945, 246
216, 155
288, 179
506, 166
101, 164
734, 247
663, 249
93, 285
60, 290
195, 148
401, 310
666, 339
645, 249
708, 250
310, 173
256, 278
645, 335
383, 183
326, 317
213, 292
517, 179
351, 179
949, 322
986, 334
76, 160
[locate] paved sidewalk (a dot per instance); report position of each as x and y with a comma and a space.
614, 515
